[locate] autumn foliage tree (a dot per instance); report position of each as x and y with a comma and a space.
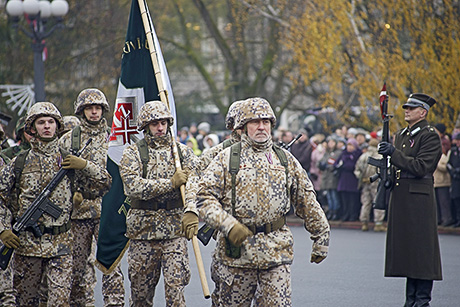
349, 48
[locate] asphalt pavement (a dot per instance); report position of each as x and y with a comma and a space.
352, 274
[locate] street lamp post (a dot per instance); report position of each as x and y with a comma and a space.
38, 14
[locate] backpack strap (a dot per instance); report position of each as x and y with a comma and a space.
18, 168
76, 139
235, 151
144, 153
227, 143
284, 162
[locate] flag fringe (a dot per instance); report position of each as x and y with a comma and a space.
106, 271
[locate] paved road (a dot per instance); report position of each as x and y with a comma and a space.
351, 276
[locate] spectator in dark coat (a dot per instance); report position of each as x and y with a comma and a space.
302, 150
348, 183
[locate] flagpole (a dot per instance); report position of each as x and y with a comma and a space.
164, 98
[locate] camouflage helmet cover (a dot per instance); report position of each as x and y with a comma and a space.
153, 110
233, 111
70, 122
42, 109
91, 96
255, 108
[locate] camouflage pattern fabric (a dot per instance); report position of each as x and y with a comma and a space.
146, 260
84, 232
85, 221
28, 272
43, 162
237, 287
96, 152
254, 108
153, 110
155, 240
7, 292
154, 224
90, 96
261, 197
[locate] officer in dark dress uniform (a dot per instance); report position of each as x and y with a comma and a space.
412, 247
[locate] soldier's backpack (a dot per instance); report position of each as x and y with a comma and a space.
144, 153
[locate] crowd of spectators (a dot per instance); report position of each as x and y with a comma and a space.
337, 166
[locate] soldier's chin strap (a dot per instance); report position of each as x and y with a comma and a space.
46, 140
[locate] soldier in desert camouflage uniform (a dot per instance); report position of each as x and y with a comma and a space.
190, 219
7, 292
50, 253
90, 106
153, 221
254, 246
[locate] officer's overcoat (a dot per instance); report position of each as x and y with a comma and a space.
412, 248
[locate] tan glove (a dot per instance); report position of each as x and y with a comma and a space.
9, 239
316, 258
189, 225
77, 199
238, 234
179, 178
73, 162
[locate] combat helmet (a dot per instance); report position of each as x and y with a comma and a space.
90, 96
70, 122
233, 111
255, 108
43, 109
153, 110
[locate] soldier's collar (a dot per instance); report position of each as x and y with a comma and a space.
415, 128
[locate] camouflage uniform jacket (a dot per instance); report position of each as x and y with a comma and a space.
363, 170
43, 162
143, 224
96, 152
204, 161
261, 197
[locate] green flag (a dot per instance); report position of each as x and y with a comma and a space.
137, 85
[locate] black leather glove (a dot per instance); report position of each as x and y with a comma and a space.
385, 148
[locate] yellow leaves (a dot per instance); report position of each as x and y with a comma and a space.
412, 45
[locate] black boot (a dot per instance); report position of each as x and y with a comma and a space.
423, 293
410, 292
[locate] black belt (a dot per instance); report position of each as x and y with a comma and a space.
269, 227
55, 230
400, 174
154, 205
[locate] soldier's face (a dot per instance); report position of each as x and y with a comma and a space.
413, 115
158, 127
45, 127
93, 113
259, 130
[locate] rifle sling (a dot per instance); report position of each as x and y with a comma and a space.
54, 230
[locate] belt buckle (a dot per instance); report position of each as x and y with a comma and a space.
398, 174
259, 229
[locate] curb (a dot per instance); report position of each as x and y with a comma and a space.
292, 220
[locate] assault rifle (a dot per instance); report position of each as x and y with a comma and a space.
39, 206
205, 232
383, 164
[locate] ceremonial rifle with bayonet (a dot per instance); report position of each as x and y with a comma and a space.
39, 206
383, 164
205, 232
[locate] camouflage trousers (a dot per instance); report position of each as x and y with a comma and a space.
368, 193
7, 291
85, 233
147, 259
242, 287
30, 271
